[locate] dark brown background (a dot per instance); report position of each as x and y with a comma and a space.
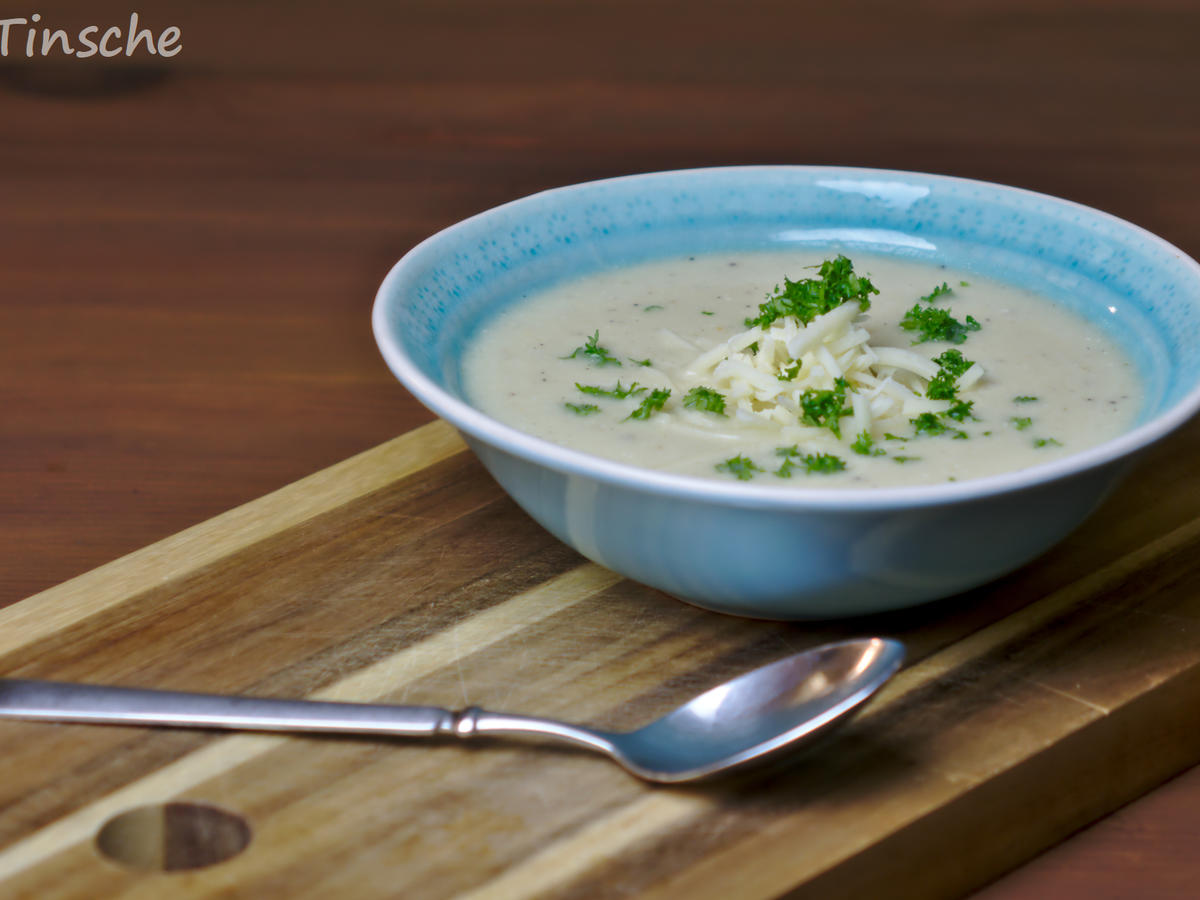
189, 247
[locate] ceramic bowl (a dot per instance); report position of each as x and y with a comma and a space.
795, 553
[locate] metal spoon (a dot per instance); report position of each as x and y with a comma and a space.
762, 712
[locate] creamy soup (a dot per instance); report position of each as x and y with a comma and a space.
746, 367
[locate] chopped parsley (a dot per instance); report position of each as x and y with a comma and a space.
936, 324
953, 362
1020, 422
641, 362
928, 423
939, 291
864, 445
888, 436
814, 463
653, 307
593, 351
617, 393
944, 385
932, 425
706, 399
707, 312
753, 348
789, 373
1047, 442
960, 410
739, 466
835, 284
901, 458
822, 409
785, 469
651, 404
1024, 398
582, 409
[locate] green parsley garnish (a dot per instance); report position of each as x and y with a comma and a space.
901, 458
706, 399
938, 291
944, 385
822, 409
789, 373
641, 362
937, 324
819, 463
706, 312
888, 436
1047, 442
931, 424
739, 466
953, 362
753, 348
1020, 422
617, 393
964, 284
928, 423
653, 307
834, 285
814, 464
864, 445
960, 410
650, 404
582, 409
597, 354
1024, 398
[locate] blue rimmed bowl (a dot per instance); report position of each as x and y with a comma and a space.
796, 554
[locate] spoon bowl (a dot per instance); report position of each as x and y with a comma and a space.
759, 714
793, 700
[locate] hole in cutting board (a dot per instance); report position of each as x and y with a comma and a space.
173, 837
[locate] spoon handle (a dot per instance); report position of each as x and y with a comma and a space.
57, 701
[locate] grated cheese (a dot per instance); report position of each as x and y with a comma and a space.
886, 384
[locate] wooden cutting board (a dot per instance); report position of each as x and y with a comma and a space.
1027, 709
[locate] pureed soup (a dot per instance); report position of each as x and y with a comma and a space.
803, 369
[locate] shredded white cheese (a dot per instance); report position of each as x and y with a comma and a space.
885, 385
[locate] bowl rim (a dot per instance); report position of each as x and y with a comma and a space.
572, 462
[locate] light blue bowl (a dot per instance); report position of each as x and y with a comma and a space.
796, 554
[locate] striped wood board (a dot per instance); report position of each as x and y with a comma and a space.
1028, 707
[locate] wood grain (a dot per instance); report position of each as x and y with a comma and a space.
190, 248
1007, 731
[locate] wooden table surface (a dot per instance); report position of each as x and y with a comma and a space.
189, 246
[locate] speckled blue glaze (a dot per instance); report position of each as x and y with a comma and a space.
796, 554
